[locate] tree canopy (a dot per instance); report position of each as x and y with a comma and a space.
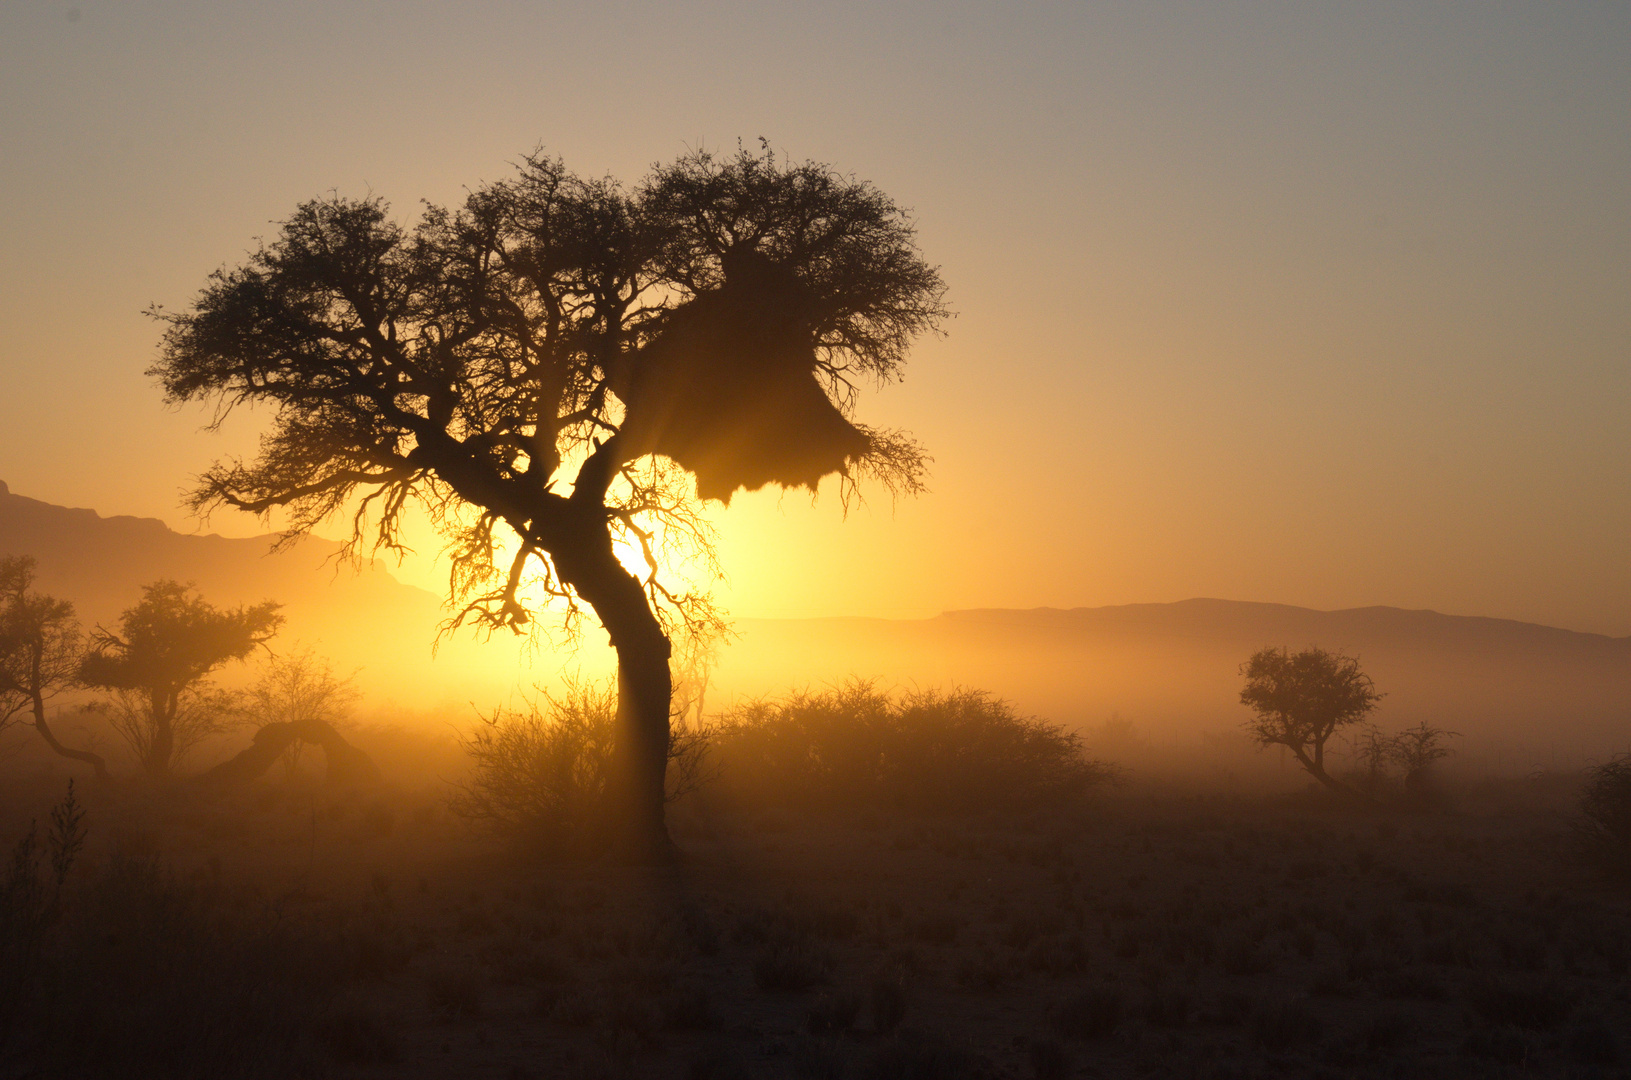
167, 644
547, 350
1301, 699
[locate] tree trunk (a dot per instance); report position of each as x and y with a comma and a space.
163, 743
94, 760
1315, 767
635, 792
346, 763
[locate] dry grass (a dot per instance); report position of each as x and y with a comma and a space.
540, 772
1146, 932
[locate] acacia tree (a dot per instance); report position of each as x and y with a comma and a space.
1301, 699
158, 664
40, 649
547, 368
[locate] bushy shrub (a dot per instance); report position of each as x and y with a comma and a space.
1604, 824
926, 750
1414, 751
541, 771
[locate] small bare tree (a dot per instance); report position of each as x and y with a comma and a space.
1301, 700
693, 668
1413, 751
1416, 749
1375, 750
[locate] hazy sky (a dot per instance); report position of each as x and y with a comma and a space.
1313, 303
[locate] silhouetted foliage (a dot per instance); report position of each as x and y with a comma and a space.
1301, 699
298, 688
1604, 824
1413, 751
1416, 749
31, 890
541, 772
40, 650
158, 664
558, 333
1374, 749
931, 750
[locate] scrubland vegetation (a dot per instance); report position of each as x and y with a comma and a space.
875, 885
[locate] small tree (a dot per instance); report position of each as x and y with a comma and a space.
1413, 751
1376, 750
1302, 699
40, 649
159, 662
1416, 749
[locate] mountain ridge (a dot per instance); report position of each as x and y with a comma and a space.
1173, 667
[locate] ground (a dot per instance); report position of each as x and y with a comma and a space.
1148, 931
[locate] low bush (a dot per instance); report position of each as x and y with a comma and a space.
541, 771
857, 746
1604, 824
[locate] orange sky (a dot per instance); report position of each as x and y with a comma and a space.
1314, 304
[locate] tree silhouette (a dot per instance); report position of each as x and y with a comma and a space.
299, 688
158, 663
40, 649
1301, 699
545, 369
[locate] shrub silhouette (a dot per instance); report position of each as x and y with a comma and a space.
1604, 824
541, 772
928, 750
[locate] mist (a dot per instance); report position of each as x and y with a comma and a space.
839, 542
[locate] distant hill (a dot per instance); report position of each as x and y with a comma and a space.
1172, 670
360, 619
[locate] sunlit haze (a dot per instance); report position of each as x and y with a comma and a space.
1242, 689
1313, 304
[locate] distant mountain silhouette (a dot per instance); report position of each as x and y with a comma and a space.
1170, 669
1173, 669
359, 618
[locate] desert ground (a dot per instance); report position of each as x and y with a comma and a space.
1150, 928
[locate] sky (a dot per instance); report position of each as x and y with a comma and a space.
1307, 303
